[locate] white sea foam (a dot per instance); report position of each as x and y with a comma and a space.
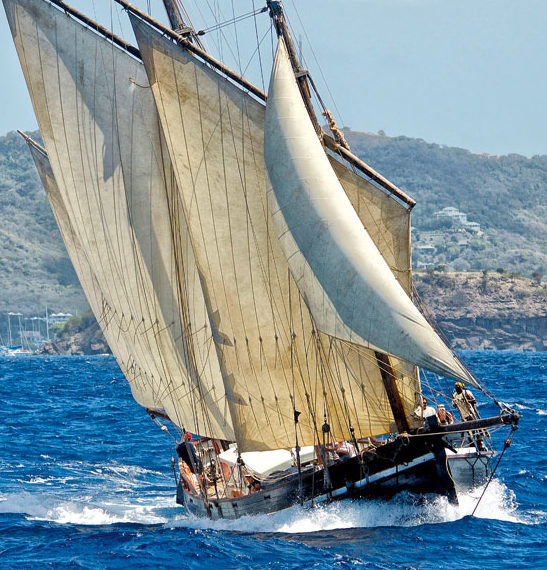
110, 507
50, 480
51, 508
95, 494
498, 503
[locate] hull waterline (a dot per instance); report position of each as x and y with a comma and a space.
417, 466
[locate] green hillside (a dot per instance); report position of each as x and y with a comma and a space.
35, 271
506, 195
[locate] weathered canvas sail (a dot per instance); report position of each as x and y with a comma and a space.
348, 286
386, 221
139, 388
99, 125
388, 224
273, 358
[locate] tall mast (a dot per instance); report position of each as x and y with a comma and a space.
178, 24
301, 74
21, 330
174, 15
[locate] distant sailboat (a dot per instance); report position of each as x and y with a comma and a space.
250, 274
17, 349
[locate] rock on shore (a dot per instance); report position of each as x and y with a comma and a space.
499, 311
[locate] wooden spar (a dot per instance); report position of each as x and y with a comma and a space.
157, 413
184, 42
393, 395
506, 418
98, 28
31, 141
368, 170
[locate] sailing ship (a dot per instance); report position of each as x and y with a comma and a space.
251, 275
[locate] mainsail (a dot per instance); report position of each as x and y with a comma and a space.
100, 128
274, 359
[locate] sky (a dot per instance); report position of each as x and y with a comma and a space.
465, 73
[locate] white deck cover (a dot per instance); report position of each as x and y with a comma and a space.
260, 464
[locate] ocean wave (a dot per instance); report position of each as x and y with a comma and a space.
83, 512
528, 407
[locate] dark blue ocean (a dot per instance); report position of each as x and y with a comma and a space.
86, 481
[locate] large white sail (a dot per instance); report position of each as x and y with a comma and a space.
346, 282
99, 125
273, 358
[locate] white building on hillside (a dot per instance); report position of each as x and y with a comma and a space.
458, 217
453, 214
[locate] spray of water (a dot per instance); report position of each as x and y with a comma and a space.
110, 499
498, 503
404, 510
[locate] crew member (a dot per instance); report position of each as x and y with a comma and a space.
253, 485
464, 401
340, 449
445, 417
426, 413
186, 451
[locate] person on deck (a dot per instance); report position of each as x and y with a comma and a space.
341, 449
464, 401
429, 414
253, 485
445, 417
186, 451
466, 404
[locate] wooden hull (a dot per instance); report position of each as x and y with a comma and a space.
418, 466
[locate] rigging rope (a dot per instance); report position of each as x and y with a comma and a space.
232, 21
430, 318
507, 444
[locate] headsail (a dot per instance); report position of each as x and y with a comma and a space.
348, 286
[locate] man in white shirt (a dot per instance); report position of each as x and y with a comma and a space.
428, 413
